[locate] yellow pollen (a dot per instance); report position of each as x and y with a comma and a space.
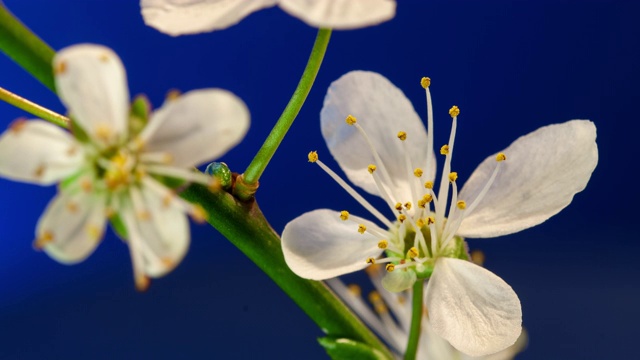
398, 206
172, 95
431, 220
371, 260
199, 214
383, 244
371, 168
402, 218
454, 111
390, 267
313, 156
351, 120
413, 252
501, 157
362, 228
402, 135
418, 172
43, 240
344, 215
427, 198
60, 68
420, 223
461, 205
477, 257
428, 184
453, 176
407, 205
425, 82
93, 231
72, 207
374, 297
422, 203
354, 290
444, 150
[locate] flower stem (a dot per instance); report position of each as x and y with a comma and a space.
252, 174
245, 226
26, 48
33, 108
416, 321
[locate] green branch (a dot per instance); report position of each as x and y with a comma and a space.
34, 109
249, 180
245, 226
25, 48
416, 320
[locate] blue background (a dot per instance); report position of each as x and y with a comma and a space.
511, 66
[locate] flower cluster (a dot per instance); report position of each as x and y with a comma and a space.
108, 169
384, 148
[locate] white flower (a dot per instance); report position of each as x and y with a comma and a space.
391, 319
115, 171
179, 17
522, 186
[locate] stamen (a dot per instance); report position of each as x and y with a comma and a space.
453, 176
428, 185
383, 244
398, 206
351, 120
362, 228
344, 215
429, 126
417, 172
462, 205
413, 252
313, 156
371, 168
500, 158
402, 135
354, 194
477, 257
390, 267
355, 290
444, 150
443, 192
376, 156
157, 157
371, 260
402, 218
425, 82
407, 205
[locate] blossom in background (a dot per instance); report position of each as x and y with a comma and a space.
114, 170
179, 17
391, 319
386, 150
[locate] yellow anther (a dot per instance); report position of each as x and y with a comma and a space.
43, 240
104, 57
142, 282
407, 205
418, 172
444, 150
168, 262
461, 205
172, 95
93, 231
420, 223
390, 267
425, 82
17, 125
60, 68
501, 157
86, 185
381, 308
413, 252
402, 135
431, 220
402, 218
199, 214
383, 244
350, 120
144, 215
428, 184
39, 171
422, 203
313, 156
344, 215
477, 257
454, 111
72, 207
398, 206
427, 197
453, 176
362, 228
371, 261
371, 168
374, 297
354, 290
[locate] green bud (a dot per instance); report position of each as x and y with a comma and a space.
220, 171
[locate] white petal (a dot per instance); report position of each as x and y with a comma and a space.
318, 245
399, 280
382, 110
472, 308
74, 224
506, 354
38, 152
92, 84
341, 14
542, 173
163, 230
179, 17
199, 126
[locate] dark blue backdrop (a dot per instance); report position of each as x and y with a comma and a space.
511, 66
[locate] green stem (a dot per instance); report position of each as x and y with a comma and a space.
261, 160
25, 48
245, 226
33, 108
416, 321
